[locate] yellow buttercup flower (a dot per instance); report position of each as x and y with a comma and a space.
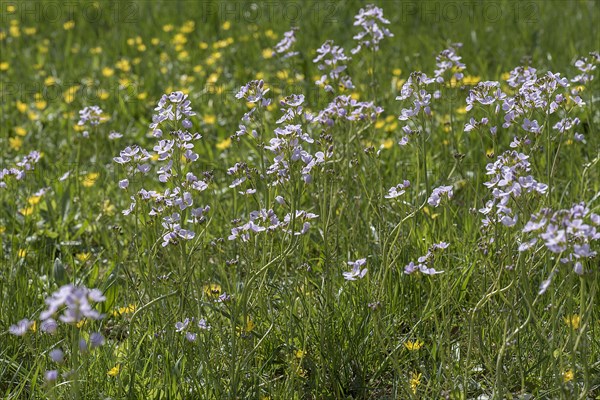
415, 381
69, 94
413, 346
267, 53
83, 257
224, 144
212, 290
26, 211
114, 371
123, 65
471, 80
21, 253
568, 375
15, 143
210, 119
19, 130
108, 72
33, 200
573, 321
167, 28
103, 94
396, 72
21, 107
90, 179
4, 66
387, 144
69, 25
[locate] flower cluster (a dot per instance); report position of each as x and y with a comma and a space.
27, 163
175, 204
414, 89
357, 272
568, 232
424, 263
287, 147
346, 108
332, 61
397, 190
534, 93
71, 305
586, 66
292, 108
75, 302
267, 221
509, 179
486, 93
184, 327
284, 46
448, 60
254, 92
369, 19
437, 194
92, 115
173, 107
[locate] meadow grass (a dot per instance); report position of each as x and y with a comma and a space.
270, 313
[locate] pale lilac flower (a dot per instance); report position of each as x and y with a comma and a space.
57, 355
448, 60
283, 47
397, 190
51, 375
75, 303
96, 340
424, 263
437, 194
371, 20
21, 327
357, 272
91, 115
254, 92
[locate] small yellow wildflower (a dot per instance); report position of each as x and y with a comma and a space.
4, 66
413, 346
83, 257
471, 80
26, 211
69, 25
90, 179
461, 110
568, 375
21, 253
167, 28
226, 25
123, 65
108, 72
224, 144
15, 143
573, 321
22, 107
396, 72
20, 131
114, 371
415, 381
387, 144
267, 53
212, 290
33, 200
210, 119
69, 94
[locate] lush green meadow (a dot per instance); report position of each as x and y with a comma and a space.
410, 215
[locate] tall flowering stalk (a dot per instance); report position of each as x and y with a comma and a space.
174, 154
